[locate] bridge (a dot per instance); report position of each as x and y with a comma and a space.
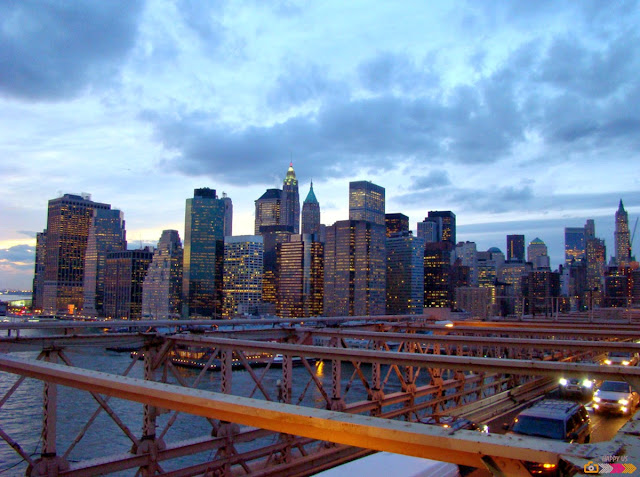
314, 393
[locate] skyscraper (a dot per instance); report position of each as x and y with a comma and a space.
125, 272
68, 223
429, 230
272, 235
228, 214
515, 248
446, 221
38, 273
405, 274
537, 254
355, 269
366, 202
621, 234
438, 292
291, 200
269, 210
106, 234
310, 213
203, 249
162, 285
574, 244
396, 223
242, 290
300, 277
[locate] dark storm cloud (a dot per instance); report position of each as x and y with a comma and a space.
18, 256
53, 49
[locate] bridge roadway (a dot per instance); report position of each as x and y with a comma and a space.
460, 382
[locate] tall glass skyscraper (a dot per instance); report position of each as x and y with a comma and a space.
203, 249
622, 240
291, 200
366, 202
515, 248
125, 272
242, 274
405, 274
269, 210
68, 223
574, 244
310, 213
162, 286
447, 221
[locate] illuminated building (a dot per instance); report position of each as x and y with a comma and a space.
429, 229
272, 235
541, 290
596, 260
537, 254
243, 265
447, 224
106, 234
467, 253
574, 244
162, 286
366, 202
515, 248
396, 223
68, 222
405, 274
513, 274
355, 268
310, 213
38, 274
475, 300
269, 210
621, 235
203, 249
300, 277
438, 290
291, 201
124, 277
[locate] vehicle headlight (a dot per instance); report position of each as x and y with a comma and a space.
625, 363
587, 383
624, 402
596, 399
563, 382
607, 361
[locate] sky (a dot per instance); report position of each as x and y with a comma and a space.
521, 117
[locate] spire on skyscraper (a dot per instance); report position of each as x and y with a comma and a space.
311, 196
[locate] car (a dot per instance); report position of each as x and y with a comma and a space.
556, 419
582, 387
615, 396
621, 358
454, 423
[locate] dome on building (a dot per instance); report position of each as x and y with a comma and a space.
536, 241
494, 250
290, 178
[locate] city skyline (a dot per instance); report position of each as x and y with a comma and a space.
517, 117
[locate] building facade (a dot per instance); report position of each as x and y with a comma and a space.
515, 248
405, 274
574, 244
37, 296
243, 268
291, 200
162, 287
621, 236
367, 202
269, 210
125, 272
396, 223
447, 220
311, 213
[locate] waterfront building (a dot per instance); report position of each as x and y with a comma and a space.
310, 213
291, 201
355, 268
396, 223
269, 210
68, 221
125, 272
405, 273
621, 235
300, 277
447, 221
367, 202
243, 268
438, 289
162, 287
203, 250
515, 248
574, 244
106, 234
37, 293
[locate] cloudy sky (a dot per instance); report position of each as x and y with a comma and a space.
521, 117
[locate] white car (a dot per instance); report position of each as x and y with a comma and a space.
615, 396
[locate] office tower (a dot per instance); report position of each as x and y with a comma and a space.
272, 235
474, 300
448, 224
366, 202
242, 289
396, 223
513, 274
106, 234
621, 235
488, 264
124, 276
574, 244
541, 290
68, 222
430, 230
228, 214
515, 248
438, 291
162, 287
203, 249
467, 252
38, 273
300, 277
355, 268
589, 229
310, 213
291, 200
405, 274
596, 261
269, 210
536, 248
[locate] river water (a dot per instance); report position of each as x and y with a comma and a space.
21, 415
